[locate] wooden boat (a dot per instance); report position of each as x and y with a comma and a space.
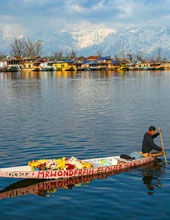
99, 166
44, 187
13, 68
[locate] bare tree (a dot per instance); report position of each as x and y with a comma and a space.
37, 48
73, 54
2, 55
158, 58
151, 59
33, 49
67, 54
164, 59
139, 57
119, 49
123, 54
26, 47
18, 47
129, 57
116, 57
29, 48
99, 53
58, 55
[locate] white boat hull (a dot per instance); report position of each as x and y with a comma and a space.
25, 171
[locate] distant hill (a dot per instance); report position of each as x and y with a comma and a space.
88, 41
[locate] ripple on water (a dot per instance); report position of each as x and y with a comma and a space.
91, 115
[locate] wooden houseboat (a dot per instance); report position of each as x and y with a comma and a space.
65, 66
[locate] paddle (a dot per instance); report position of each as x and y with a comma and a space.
162, 146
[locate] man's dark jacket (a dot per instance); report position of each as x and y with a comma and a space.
148, 143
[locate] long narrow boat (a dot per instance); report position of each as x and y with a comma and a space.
99, 166
44, 187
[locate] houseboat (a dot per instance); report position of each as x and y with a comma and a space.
33, 65
103, 62
48, 66
65, 66
114, 65
14, 64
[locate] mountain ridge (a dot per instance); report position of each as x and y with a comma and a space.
108, 41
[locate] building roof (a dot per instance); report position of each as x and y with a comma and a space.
91, 58
104, 58
69, 60
115, 61
89, 61
84, 61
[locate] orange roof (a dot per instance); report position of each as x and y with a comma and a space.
92, 58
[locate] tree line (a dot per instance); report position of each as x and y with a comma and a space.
29, 48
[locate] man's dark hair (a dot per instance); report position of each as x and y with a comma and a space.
152, 128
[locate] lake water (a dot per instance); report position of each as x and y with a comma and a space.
86, 115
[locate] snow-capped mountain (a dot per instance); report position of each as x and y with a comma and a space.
95, 36
88, 41
145, 40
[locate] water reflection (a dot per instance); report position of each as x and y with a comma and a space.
151, 173
25, 75
36, 75
66, 74
151, 178
44, 187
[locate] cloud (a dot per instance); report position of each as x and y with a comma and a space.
46, 15
125, 9
76, 8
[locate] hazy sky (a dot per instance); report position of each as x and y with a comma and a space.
46, 15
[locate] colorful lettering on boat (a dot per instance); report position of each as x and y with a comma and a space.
92, 166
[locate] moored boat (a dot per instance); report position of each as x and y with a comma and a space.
97, 166
13, 68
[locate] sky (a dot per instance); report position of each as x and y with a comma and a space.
47, 15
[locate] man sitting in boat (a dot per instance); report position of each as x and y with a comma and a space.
148, 143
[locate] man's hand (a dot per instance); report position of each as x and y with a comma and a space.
159, 131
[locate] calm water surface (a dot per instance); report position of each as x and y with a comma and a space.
86, 115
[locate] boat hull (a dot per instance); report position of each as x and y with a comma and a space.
25, 171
